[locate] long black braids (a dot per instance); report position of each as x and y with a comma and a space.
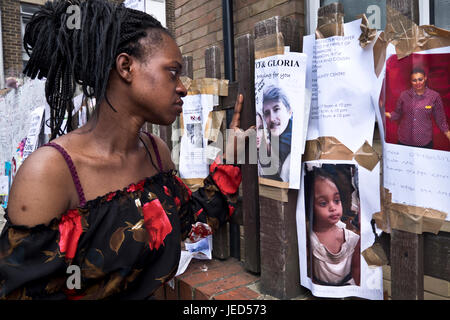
67, 55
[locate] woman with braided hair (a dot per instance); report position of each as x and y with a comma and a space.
105, 197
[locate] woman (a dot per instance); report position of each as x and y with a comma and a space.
105, 197
415, 109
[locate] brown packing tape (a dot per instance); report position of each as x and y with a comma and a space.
367, 157
186, 81
408, 37
218, 87
213, 124
409, 218
194, 183
415, 219
275, 193
375, 255
331, 148
273, 183
330, 21
379, 53
367, 34
269, 45
181, 125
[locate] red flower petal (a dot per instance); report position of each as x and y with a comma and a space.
184, 185
110, 196
231, 209
156, 223
70, 230
135, 187
227, 177
177, 202
199, 212
167, 191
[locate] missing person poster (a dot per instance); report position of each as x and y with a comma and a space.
333, 219
193, 157
339, 188
413, 96
280, 117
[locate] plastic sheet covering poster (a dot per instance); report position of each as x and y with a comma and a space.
280, 117
339, 190
193, 158
413, 96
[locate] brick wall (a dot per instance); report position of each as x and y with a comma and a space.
11, 34
198, 23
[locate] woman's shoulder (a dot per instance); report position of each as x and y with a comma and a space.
41, 190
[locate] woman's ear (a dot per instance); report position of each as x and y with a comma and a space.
123, 66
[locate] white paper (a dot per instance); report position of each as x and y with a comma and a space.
201, 250
193, 156
340, 76
415, 176
285, 76
33, 134
4, 185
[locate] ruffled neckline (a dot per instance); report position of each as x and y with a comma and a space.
94, 203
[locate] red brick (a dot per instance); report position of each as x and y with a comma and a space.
242, 293
160, 294
237, 280
185, 291
171, 293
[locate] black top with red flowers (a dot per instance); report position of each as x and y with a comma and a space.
125, 243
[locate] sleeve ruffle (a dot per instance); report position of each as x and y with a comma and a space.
215, 202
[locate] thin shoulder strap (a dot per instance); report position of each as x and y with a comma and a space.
73, 171
155, 148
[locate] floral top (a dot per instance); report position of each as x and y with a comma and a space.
125, 243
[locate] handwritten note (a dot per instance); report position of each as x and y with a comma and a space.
418, 176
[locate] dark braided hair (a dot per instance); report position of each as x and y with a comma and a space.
68, 56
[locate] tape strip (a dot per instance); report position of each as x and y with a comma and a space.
367, 34
194, 183
330, 21
409, 218
218, 87
332, 149
213, 124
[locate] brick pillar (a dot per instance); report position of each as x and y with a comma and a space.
12, 38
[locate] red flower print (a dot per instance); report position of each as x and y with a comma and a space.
156, 223
167, 191
227, 177
199, 212
185, 186
231, 209
177, 202
110, 196
136, 187
70, 230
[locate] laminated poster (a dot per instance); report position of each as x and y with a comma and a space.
338, 193
193, 149
280, 117
413, 99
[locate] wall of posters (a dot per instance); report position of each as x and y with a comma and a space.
280, 117
339, 192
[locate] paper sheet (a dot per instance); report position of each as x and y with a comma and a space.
281, 107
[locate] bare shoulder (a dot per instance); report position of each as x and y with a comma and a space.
42, 189
164, 152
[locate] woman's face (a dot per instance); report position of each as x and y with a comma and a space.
259, 130
327, 202
156, 87
276, 116
418, 81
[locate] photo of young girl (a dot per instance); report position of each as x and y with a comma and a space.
332, 220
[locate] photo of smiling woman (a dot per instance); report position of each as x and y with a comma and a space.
332, 219
416, 99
